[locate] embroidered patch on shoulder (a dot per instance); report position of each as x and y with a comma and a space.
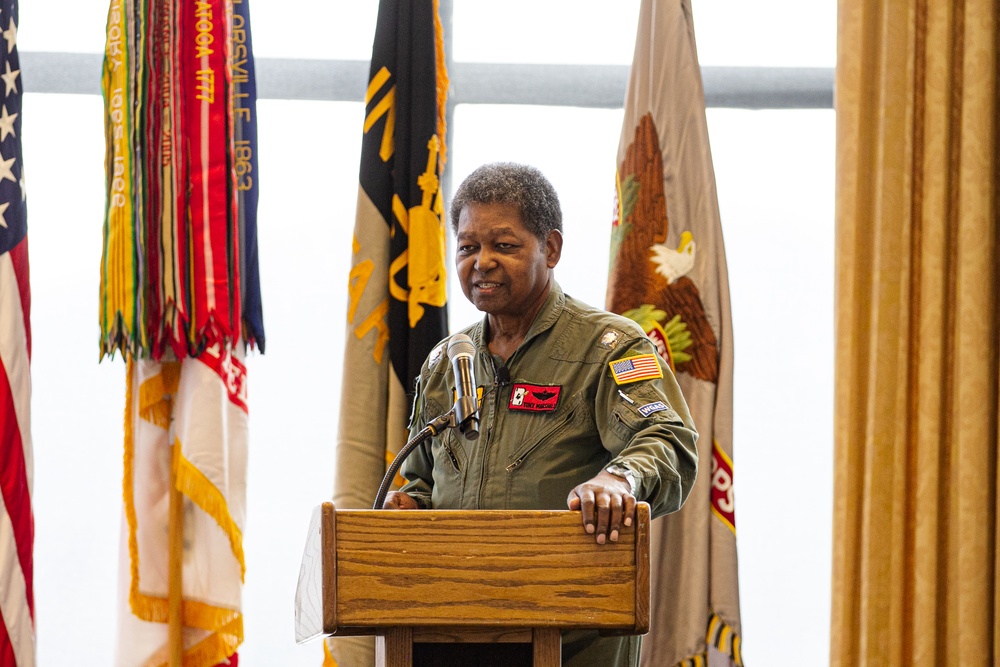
609, 339
633, 369
416, 397
534, 397
436, 354
650, 408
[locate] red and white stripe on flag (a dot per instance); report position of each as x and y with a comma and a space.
17, 632
17, 607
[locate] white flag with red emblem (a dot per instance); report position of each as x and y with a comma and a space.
189, 416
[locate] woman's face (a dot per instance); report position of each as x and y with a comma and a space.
503, 267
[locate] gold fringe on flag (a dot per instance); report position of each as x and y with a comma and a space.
721, 636
155, 404
699, 660
196, 487
218, 646
442, 84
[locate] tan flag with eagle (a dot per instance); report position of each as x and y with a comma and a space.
668, 273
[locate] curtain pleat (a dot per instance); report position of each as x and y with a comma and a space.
916, 399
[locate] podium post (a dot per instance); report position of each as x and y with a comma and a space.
413, 577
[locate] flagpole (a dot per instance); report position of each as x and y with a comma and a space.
175, 570
445, 12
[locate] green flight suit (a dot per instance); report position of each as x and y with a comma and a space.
558, 421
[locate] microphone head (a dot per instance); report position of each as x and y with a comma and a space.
461, 353
460, 345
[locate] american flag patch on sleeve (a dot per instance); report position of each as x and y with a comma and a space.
633, 369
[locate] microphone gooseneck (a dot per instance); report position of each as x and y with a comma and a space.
465, 414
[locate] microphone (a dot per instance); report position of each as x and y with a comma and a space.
461, 351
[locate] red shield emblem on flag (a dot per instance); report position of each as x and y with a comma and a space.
723, 505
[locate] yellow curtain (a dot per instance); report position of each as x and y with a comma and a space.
916, 400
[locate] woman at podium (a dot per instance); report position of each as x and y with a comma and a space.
576, 408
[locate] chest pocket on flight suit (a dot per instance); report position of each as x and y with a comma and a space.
529, 468
449, 458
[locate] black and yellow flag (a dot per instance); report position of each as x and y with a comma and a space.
397, 300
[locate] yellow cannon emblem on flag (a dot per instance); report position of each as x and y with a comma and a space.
425, 257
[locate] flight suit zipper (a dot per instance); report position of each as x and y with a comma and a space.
490, 422
514, 465
451, 455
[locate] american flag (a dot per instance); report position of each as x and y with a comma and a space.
636, 368
17, 634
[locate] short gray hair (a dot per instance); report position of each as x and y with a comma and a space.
508, 183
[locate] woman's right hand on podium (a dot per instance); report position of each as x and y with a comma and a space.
397, 500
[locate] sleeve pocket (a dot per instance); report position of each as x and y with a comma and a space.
643, 406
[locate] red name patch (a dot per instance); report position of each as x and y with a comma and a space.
534, 397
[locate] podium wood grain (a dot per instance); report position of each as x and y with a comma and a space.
452, 573
546, 647
394, 648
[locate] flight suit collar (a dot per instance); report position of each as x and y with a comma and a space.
545, 320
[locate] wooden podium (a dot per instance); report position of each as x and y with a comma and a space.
421, 577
